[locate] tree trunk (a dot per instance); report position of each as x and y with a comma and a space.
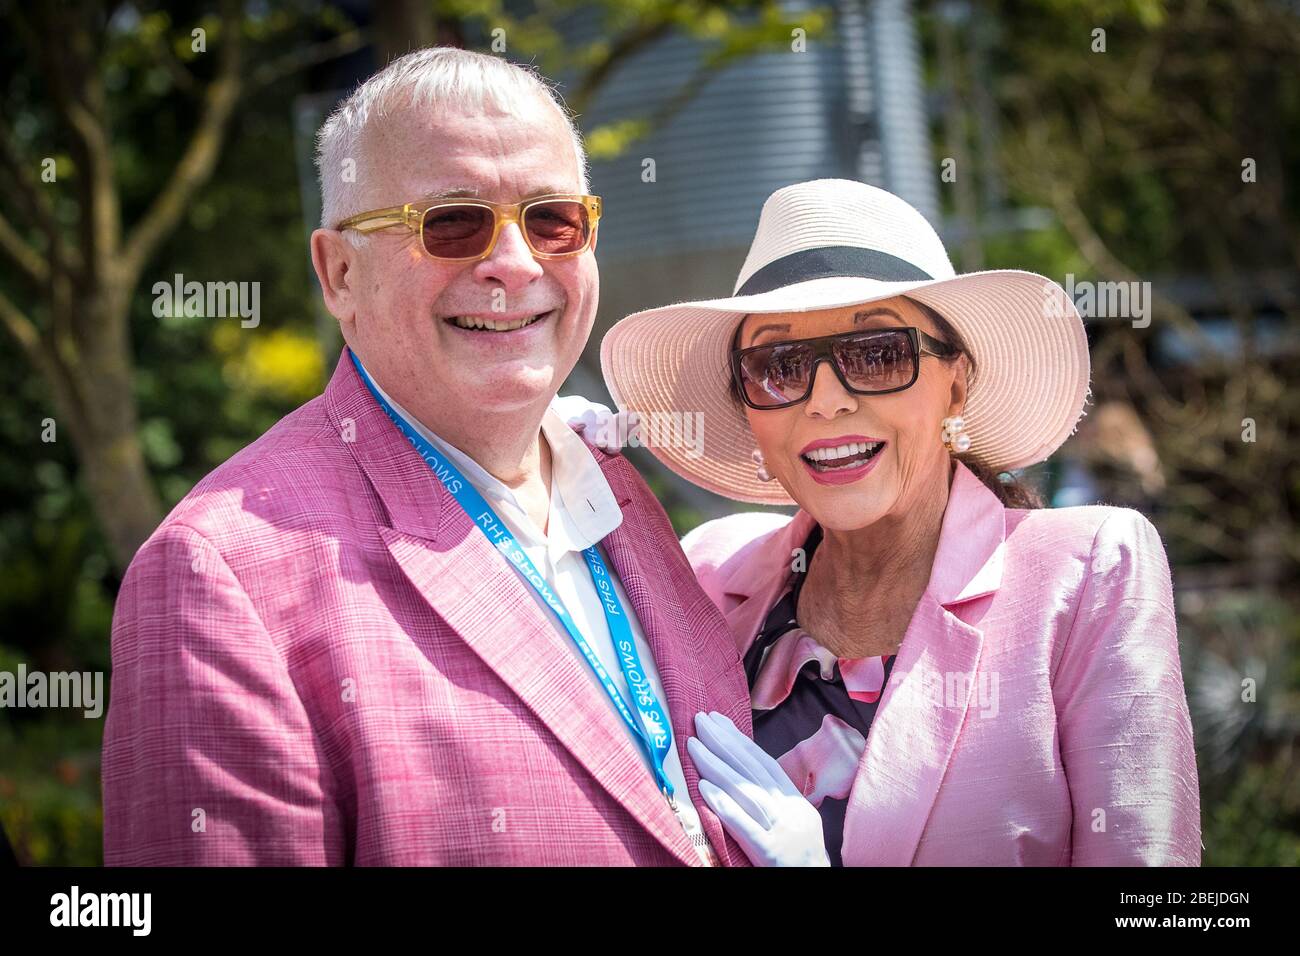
112, 460
402, 26
105, 432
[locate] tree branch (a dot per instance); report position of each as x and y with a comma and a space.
24, 332
201, 153
316, 53
31, 199
623, 46
1099, 256
69, 45
44, 359
24, 256
68, 59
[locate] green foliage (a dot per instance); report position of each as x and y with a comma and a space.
50, 790
730, 30
205, 387
1256, 822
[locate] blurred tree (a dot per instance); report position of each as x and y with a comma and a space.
80, 257
1163, 136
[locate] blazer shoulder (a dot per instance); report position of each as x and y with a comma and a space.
1115, 556
1116, 586
281, 480
1085, 530
1127, 545
714, 546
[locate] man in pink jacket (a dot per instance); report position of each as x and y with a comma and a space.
420, 621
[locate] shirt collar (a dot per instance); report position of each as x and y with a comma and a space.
583, 507
590, 511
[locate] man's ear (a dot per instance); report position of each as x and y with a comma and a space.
334, 257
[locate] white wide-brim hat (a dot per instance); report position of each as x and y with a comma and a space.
833, 243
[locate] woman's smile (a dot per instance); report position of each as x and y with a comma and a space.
838, 461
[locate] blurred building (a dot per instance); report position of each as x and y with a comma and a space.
682, 203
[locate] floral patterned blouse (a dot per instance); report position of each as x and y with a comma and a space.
812, 710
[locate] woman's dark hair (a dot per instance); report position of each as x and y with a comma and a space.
1011, 490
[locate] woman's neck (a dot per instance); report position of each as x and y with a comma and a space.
863, 586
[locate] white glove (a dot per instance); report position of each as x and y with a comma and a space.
607, 430
758, 805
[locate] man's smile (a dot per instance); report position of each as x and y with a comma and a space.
496, 322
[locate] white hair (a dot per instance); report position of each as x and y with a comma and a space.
436, 76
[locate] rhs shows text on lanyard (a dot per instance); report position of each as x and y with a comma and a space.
653, 730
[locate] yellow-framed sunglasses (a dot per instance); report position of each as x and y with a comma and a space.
554, 226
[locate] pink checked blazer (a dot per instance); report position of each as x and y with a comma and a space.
1035, 714
317, 659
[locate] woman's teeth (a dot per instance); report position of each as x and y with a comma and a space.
849, 455
494, 325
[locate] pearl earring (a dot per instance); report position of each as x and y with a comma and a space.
761, 466
954, 437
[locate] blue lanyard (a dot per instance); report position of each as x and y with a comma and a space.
653, 731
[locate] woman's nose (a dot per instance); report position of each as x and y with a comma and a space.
828, 398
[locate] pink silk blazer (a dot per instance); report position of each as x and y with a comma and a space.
1035, 714
318, 659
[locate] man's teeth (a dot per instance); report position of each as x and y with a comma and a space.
835, 457
494, 325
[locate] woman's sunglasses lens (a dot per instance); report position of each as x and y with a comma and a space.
777, 374
877, 362
556, 227
869, 362
457, 232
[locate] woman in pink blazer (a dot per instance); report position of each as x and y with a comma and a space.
942, 671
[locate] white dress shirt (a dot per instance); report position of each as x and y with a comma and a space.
582, 512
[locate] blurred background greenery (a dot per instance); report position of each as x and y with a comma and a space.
1171, 156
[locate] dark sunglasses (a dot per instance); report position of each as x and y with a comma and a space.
873, 362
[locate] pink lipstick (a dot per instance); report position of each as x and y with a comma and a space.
841, 460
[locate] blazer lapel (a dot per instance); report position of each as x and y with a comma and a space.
930, 688
697, 673
911, 738
467, 582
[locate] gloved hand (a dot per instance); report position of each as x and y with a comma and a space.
753, 797
607, 430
